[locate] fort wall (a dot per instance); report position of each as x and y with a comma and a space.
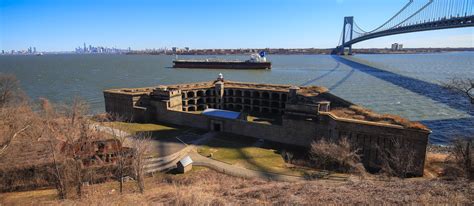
305, 115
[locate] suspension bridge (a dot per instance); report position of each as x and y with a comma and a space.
414, 16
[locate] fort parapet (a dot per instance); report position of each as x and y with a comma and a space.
280, 113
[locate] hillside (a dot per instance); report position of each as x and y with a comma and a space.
204, 186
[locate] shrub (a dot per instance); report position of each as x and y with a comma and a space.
398, 160
339, 156
461, 154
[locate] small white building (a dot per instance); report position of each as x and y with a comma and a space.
184, 165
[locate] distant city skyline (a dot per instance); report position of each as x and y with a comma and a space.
53, 25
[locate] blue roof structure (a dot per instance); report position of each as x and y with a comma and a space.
221, 113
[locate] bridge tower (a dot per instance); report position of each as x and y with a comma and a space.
348, 20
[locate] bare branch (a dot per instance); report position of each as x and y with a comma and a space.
462, 86
5, 147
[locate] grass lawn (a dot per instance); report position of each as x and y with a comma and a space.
239, 151
157, 130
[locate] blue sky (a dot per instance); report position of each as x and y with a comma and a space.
62, 25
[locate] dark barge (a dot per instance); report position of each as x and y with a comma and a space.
221, 64
256, 61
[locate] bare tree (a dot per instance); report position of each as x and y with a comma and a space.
72, 127
9, 89
398, 160
461, 153
60, 180
120, 136
339, 155
79, 134
462, 86
142, 147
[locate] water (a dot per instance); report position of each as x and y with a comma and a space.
406, 85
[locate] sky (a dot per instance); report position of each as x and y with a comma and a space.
62, 25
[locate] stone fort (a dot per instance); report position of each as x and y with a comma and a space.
279, 113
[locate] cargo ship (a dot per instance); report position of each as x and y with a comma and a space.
256, 61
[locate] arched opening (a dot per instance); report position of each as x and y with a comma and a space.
256, 102
238, 93
284, 97
202, 107
200, 93
247, 108
256, 94
247, 101
246, 93
200, 101
275, 96
190, 94
231, 92
238, 100
265, 110
256, 109
275, 104
265, 103
208, 92
191, 109
265, 95
238, 107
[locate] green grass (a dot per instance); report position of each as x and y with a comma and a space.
157, 130
240, 152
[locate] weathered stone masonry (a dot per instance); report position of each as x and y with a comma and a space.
305, 114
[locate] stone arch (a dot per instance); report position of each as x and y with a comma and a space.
238, 93
275, 96
275, 104
238, 107
200, 93
256, 109
200, 101
202, 107
256, 94
247, 93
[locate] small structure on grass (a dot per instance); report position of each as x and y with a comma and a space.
184, 165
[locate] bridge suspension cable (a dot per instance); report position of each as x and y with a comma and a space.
415, 15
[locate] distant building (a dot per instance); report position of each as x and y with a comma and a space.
397, 47
3, 51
